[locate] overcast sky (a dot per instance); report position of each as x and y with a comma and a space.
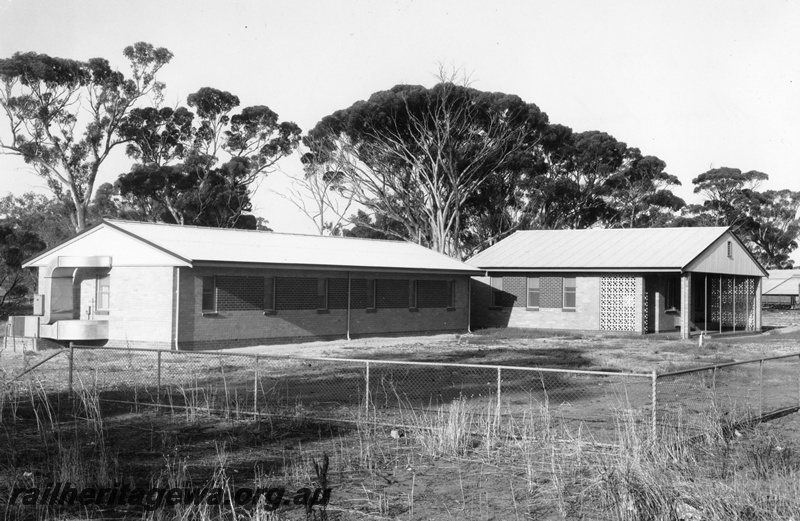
698, 84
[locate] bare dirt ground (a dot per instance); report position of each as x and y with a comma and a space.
374, 475
583, 350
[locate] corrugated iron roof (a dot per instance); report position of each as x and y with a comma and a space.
629, 248
781, 282
249, 246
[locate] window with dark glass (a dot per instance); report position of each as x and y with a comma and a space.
322, 293
371, 294
209, 294
269, 294
451, 293
413, 289
673, 296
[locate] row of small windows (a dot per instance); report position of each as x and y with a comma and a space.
231, 293
540, 292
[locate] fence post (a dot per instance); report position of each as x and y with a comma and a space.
654, 399
714, 381
158, 381
798, 382
761, 387
499, 384
366, 394
255, 391
71, 357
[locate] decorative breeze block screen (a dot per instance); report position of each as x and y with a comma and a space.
618, 303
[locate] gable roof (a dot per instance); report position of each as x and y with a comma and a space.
781, 282
194, 244
629, 249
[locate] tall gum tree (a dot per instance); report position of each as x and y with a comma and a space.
63, 115
199, 166
766, 221
415, 155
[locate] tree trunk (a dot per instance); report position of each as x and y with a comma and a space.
80, 215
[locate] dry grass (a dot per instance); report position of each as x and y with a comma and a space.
454, 461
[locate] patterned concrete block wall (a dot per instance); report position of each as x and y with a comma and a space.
296, 315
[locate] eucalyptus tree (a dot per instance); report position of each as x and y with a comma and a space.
63, 116
198, 167
416, 155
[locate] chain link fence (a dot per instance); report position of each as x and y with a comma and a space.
405, 393
388, 392
728, 394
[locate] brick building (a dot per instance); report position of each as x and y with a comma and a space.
625, 280
183, 287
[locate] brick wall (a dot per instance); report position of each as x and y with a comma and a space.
253, 327
358, 294
337, 293
586, 315
141, 305
391, 293
141, 309
240, 293
296, 293
432, 293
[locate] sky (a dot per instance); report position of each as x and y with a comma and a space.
699, 84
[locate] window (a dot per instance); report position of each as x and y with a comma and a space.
209, 294
269, 294
103, 302
413, 289
451, 294
533, 292
673, 296
371, 294
322, 293
569, 292
730, 249
497, 291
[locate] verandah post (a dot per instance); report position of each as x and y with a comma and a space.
654, 397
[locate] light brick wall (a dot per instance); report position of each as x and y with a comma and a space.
141, 307
253, 327
586, 316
